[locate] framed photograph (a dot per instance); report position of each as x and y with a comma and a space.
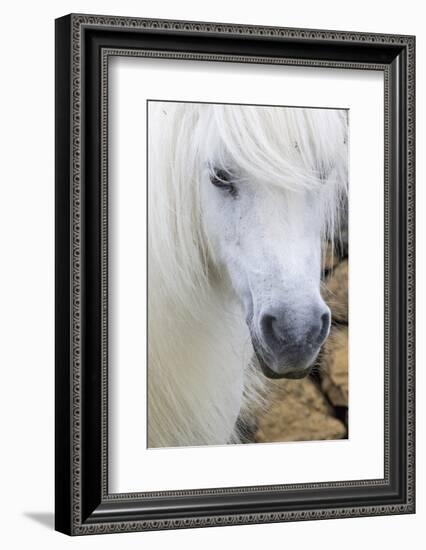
234, 274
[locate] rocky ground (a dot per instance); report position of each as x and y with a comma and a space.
317, 407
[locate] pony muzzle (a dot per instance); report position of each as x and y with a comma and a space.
287, 347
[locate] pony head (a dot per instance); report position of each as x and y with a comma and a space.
253, 192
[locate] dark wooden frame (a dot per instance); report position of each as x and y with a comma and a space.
83, 46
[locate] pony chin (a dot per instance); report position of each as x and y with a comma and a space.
282, 371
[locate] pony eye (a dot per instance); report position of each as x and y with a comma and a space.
223, 180
220, 178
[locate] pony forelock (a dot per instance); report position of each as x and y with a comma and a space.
294, 149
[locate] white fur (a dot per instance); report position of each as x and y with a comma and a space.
215, 260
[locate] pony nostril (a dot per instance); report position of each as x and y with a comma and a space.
269, 329
325, 326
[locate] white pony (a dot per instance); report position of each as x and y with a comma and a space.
240, 199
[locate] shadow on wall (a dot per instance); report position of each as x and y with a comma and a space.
47, 519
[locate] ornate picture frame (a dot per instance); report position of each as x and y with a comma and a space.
84, 44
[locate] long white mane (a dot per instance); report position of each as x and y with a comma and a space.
200, 371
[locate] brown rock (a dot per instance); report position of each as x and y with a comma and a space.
335, 292
299, 412
334, 367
